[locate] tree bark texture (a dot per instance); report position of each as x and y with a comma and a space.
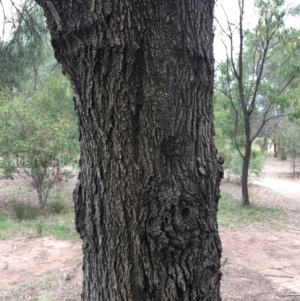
146, 200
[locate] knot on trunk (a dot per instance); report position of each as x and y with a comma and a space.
176, 223
186, 216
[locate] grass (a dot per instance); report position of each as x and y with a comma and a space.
234, 215
47, 293
26, 219
60, 226
58, 217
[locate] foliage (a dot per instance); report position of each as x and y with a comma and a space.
224, 140
23, 51
38, 133
257, 162
287, 136
38, 137
233, 162
57, 206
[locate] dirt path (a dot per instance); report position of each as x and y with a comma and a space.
26, 258
263, 263
277, 178
39, 269
258, 264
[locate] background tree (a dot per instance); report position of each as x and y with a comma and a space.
37, 139
287, 135
225, 131
146, 200
38, 133
258, 79
23, 49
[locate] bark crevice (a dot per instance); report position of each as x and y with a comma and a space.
148, 189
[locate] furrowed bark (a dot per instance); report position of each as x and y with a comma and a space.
148, 189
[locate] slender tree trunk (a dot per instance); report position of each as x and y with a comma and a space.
148, 189
275, 149
35, 76
41, 199
245, 173
264, 144
246, 162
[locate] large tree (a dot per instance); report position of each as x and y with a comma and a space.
146, 200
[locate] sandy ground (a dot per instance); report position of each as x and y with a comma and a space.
259, 262
262, 263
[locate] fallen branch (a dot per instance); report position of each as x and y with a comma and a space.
244, 276
67, 276
224, 261
290, 295
281, 276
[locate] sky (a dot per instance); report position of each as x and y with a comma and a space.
5, 11
231, 8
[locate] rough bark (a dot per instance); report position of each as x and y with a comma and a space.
146, 200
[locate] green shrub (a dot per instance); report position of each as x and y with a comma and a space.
39, 136
56, 207
256, 166
282, 153
24, 211
39, 228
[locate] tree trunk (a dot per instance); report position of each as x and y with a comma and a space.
41, 199
275, 149
246, 161
245, 173
264, 144
146, 200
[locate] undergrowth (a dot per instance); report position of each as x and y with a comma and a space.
56, 219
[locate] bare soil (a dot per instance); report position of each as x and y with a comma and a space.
260, 262
40, 268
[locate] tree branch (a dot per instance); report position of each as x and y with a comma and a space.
286, 85
261, 68
230, 37
277, 67
240, 59
265, 121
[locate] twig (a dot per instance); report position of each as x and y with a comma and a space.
224, 261
281, 276
290, 295
244, 276
67, 276
295, 229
